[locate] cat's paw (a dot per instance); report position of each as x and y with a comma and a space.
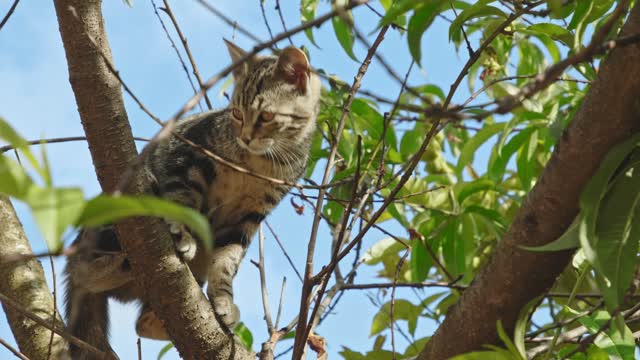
150, 326
226, 310
105, 273
184, 242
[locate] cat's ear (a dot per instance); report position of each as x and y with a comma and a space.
293, 67
236, 54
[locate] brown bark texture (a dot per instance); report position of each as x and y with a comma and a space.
512, 277
24, 282
167, 283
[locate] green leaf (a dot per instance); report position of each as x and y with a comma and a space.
618, 344
244, 334
492, 215
8, 134
579, 21
560, 9
569, 240
344, 34
470, 147
526, 162
511, 347
520, 329
470, 188
397, 9
618, 234
419, 23
128, 2
453, 250
105, 209
554, 31
372, 121
349, 354
14, 181
402, 310
478, 9
381, 249
420, 261
164, 350
308, 13
497, 169
54, 210
592, 195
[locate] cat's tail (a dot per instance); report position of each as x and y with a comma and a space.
87, 319
86, 311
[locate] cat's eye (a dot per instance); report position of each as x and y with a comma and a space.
236, 113
267, 116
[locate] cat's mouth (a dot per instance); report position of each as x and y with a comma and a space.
256, 146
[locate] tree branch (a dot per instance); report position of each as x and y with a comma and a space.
513, 276
186, 313
25, 281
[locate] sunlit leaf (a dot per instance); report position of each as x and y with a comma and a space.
165, 349
105, 209
419, 23
244, 334
470, 147
308, 13
402, 310
344, 34
54, 210
478, 9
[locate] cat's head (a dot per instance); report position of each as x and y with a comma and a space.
275, 100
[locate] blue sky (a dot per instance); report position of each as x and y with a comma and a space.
36, 98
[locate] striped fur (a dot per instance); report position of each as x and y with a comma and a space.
266, 129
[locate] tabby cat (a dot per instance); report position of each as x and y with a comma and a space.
266, 129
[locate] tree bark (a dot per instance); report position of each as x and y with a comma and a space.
512, 277
24, 281
168, 284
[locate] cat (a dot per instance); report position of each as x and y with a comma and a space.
267, 129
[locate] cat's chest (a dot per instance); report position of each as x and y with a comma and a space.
233, 194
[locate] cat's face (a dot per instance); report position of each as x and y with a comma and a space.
275, 101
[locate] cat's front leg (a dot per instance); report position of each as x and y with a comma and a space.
224, 266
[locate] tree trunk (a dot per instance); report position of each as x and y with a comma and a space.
168, 284
23, 280
609, 114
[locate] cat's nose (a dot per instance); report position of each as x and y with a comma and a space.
245, 139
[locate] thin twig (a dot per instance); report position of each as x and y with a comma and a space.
263, 282
464, 32
175, 48
281, 302
393, 301
284, 251
284, 26
15, 351
302, 330
230, 22
9, 13
264, 17
183, 39
57, 140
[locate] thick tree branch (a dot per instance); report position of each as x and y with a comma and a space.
25, 282
609, 114
186, 312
